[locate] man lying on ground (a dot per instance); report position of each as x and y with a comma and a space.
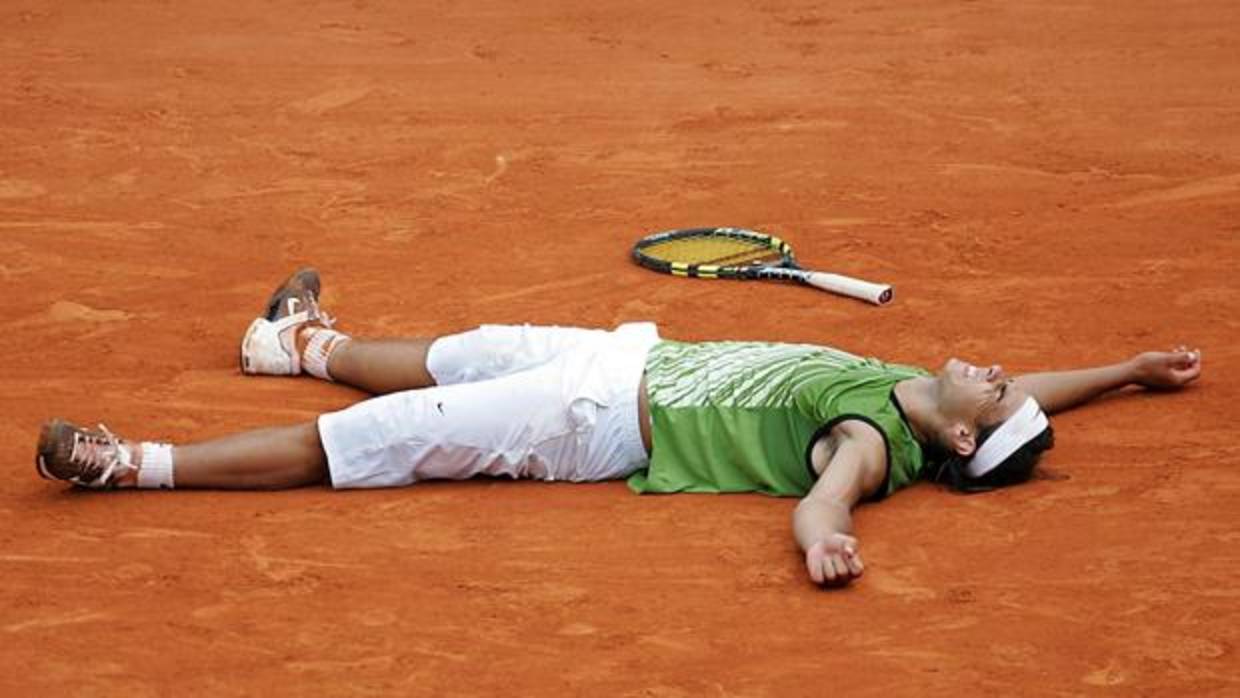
557, 403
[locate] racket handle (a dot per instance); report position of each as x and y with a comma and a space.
878, 294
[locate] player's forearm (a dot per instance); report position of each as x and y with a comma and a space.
817, 519
1056, 391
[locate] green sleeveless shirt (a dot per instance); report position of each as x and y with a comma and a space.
742, 416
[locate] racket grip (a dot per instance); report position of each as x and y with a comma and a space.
878, 294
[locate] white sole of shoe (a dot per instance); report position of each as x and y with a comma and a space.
248, 366
40, 463
42, 468
262, 351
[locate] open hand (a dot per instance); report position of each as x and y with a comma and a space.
834, 561
1167, 370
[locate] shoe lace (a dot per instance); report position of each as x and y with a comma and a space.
318, 314
100, 456
313, 312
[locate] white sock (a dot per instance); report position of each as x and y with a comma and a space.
319, 347
155, 472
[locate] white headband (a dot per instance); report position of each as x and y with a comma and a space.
1018, 430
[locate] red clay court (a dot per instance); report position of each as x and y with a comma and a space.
1046, 184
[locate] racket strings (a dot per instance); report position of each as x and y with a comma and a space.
715, 251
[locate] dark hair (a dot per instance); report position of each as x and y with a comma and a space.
949, 468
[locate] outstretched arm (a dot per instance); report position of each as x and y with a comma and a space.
822, 522
1056, 391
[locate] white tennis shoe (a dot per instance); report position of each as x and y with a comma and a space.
269, 346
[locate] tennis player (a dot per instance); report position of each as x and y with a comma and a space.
556, 403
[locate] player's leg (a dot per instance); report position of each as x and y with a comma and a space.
491, 351
295, 336
382, 366
271, 458
440, 432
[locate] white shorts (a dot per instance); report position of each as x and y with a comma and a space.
550, 403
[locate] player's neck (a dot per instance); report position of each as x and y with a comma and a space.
919, 400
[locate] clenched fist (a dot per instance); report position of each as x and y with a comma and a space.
834, 561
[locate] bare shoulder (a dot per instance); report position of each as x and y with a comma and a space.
859, 432
851, 461
859, 436
860, 440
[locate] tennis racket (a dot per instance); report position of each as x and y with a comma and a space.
737, 253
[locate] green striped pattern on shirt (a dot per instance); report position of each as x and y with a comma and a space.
739, 416
737, 374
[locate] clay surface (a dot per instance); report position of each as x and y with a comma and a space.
1046, 184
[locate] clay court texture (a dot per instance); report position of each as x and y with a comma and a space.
1047, 184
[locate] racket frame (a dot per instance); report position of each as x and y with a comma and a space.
787, 269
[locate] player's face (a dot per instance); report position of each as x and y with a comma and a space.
981, 396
